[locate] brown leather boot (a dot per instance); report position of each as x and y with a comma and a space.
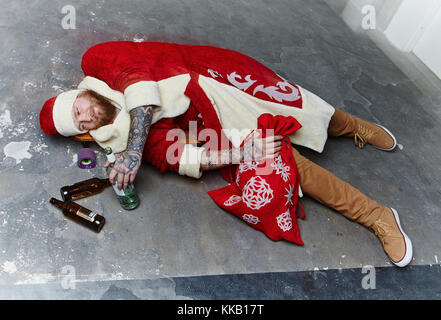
331, 191
344, 124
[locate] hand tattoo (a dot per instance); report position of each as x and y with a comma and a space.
130, 162
252, 150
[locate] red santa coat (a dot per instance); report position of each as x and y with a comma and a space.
224, 88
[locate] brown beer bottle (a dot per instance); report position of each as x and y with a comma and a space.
84, 189
80, 214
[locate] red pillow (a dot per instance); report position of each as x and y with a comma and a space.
265, 194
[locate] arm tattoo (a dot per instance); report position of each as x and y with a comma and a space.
216, 159
140, 119
140, 122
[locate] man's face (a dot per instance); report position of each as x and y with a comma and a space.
85, 116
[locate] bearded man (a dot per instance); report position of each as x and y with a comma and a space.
133, 94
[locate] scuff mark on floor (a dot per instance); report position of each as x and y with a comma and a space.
18, 150
5, 121
9, 267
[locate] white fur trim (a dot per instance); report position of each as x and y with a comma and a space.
99, 86
314, 121
114, 135
238, 110
190, 162
171, 91
142, 93
63, 116
174, 103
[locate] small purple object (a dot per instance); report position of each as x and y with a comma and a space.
86, 158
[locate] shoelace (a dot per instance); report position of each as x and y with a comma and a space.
381, 230
362, 135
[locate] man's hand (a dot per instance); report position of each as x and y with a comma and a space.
127, 163
125, 168
254, 149
258, 149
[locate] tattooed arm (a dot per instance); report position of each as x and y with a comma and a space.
128, 162
255, 149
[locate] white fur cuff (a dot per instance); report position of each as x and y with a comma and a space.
142, 93
62, 114
190, 162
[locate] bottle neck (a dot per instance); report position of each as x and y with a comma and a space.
58, 203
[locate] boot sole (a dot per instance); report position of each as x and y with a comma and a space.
392, 136
409, 251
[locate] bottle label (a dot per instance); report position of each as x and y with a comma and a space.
111, 158
123, 192
88, 216
118, 191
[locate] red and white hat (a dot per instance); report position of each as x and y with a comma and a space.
56, 115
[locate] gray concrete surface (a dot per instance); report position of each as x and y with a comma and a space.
178, 231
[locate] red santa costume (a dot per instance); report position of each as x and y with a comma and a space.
233, 95
220, 89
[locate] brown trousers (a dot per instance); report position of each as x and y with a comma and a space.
321, 185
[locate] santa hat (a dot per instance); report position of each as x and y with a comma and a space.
56, 115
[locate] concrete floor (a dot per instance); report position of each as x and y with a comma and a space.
178, 231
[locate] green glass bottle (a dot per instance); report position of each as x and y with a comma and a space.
128, 198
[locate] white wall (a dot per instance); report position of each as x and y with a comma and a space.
412, 26
410, 21
428, 48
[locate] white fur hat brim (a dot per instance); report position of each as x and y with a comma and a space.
63, 115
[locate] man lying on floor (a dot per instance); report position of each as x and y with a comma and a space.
133, 94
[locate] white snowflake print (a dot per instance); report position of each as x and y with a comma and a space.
281, 168
289, 195
250, 218
232, 200
257, 193
245, 166
284, 221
